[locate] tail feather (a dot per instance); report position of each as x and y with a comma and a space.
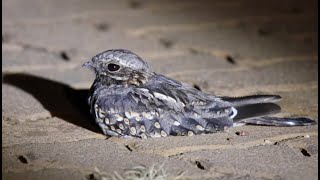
256, 110
275, 121
254, 99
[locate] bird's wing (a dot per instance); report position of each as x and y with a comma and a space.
176, 108
190, 102
183, 95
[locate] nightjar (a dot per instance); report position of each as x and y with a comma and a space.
128, 99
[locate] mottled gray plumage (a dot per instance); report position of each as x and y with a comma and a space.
128, 99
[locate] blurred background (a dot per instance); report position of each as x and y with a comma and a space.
233, 48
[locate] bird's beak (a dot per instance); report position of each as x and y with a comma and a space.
88, 64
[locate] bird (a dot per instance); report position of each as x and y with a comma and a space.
127, 99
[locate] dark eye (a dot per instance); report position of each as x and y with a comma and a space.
113, 67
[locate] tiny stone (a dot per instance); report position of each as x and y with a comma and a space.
267, 141
102, 27
307, 136
242, 133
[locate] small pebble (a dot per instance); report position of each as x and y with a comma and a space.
307, 136
267, 141
242, 133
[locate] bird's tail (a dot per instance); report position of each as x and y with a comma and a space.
254, 99
254, 110
275, 121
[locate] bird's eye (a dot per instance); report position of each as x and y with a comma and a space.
113, 67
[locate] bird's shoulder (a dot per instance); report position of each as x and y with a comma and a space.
166, 88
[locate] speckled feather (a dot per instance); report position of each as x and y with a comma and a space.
135, 101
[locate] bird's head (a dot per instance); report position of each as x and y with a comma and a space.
120, 66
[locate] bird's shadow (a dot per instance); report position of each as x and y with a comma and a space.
59, 99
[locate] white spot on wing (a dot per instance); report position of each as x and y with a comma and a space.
118, 131
144, 136
153, 113
156, 134
147, 115
238, 124
96, 110
138, 118
134, 114
142, 128
121, 126
163, 134
107, 121
118, 117
143, 89
133, 130
164, 97
182, 104
200, 127
127, 114
176, 123
135, 99
290, 123
234, 112
112, 128
157, 125
190, 133
112, 111
126, 120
